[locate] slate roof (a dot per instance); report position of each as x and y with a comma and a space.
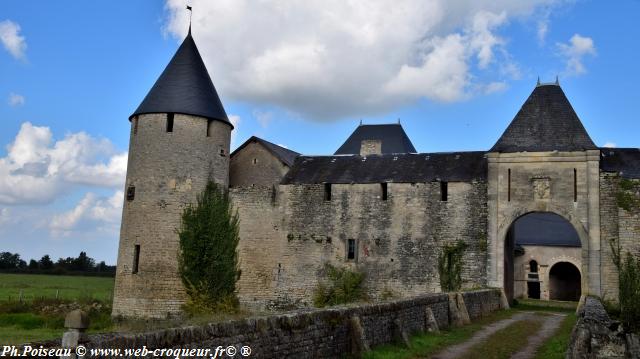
399, 168
393, 137
546, 122
184, 87
625, 161
283, 154
545, 229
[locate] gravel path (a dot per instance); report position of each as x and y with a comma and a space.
549, 326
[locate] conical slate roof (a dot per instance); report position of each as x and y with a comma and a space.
184, 87
392, 136
546, 122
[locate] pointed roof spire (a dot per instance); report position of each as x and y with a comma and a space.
546, 122
184, 87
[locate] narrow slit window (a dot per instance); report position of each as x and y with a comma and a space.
255, 160
444, 191
131, 193
385, 191
136, 258
575, 185
509, 185
351, 249
327, 191
169, 122
135, 125
209, 124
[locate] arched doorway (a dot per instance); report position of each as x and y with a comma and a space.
543, 236
564, 282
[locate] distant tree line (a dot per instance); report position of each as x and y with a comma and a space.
81, 265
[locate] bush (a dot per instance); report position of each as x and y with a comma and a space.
345, 286
629, 293
208, 257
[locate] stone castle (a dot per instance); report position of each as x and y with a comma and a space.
537, 212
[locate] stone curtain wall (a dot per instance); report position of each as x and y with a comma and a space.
320, 333
287, 237
617, 225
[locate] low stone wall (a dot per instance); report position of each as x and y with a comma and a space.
598, 336
315, 333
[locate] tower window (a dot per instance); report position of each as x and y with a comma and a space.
444, 191
327, 191
255, 160
135, 125
169, 122
575, 185
131, 193
385, 191
209, 123
351, 249
222, 152
136, 258
509, 185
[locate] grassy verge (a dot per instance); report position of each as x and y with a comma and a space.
556, 347
36, 286
428, 343
546, 305
505, 342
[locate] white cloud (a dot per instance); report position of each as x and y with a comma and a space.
574, 51
263, 118
610, 144
91, 213
4, 215
36, 169
235, 121
328, 59
15, 100
11, 39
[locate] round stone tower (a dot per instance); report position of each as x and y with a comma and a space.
179, 140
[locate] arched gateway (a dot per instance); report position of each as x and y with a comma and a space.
544, 162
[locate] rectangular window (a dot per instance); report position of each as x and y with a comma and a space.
327, 191
169, 122
136, 258
509, 185
209, 123
351, 249
135, 125
385, 192
444, 191
131, 193
575, 185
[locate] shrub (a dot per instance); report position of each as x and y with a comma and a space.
629, 292
208, 257
450, 266
344, 286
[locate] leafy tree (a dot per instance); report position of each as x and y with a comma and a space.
33, 264
208, 257
10, 260
45, 262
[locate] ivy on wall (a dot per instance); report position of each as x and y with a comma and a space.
628, 195
450, 266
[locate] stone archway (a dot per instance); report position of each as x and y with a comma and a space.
549, 249
565, 282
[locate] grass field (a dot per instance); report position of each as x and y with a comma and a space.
46, 286
33, 319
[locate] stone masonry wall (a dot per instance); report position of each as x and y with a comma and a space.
319, 333
254, 165
618, 226
287, 237
168, 170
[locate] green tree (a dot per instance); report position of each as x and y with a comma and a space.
208, 257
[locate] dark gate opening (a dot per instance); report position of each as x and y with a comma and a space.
564, 282
533, 290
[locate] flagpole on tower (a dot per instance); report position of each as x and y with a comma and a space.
190, 14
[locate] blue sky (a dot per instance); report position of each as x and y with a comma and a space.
301, 75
